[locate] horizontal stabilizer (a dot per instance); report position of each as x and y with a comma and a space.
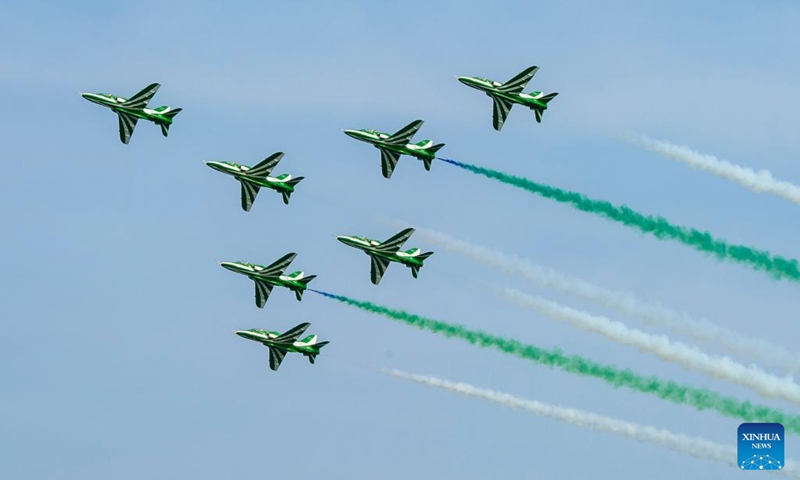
423, 256
313, 356
172, 113
435, 148
548, 97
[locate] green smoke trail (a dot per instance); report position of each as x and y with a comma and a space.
701, 399
776, 266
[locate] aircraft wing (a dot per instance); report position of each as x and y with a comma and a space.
275, 357
292, 335
377, 268
126, 125
265, 167
516, 84
394, 243
500, 112
263, 289
405, 134
249, 192
141, 99
277, 268
389, 161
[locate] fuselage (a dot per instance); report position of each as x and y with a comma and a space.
113, 102
266, 337
490, 87
378, 139
252, 271
370, 246
239, 172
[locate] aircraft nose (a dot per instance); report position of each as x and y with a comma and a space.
351, 133
228, 266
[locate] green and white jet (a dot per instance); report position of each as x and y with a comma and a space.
253, 178
381, 253
280, 344
271, 276
130, 110
505, 95
392, 146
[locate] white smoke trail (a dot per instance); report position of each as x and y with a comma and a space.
696, 447
766, 384
757, 181
650, 312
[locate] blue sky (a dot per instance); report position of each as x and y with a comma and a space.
118, 355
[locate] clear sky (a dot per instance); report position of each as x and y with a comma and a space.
117, 353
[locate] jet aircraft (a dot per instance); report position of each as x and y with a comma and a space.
253, 178
505, 95
130, 110
271, 276
280, 344
381, 253
392, 146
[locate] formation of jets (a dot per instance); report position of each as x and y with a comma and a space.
252, 179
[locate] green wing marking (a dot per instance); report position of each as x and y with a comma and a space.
126, 125
264, 168
393, 244
249, 192
516, 84
277, 267
275, 357
389, 161
405, 134
141, 99
263, 289
292, 335
378, 268
500, 111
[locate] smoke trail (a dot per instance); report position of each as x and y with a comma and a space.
760, 181
651, 312
700, 398
765, 384
776, 266
696, 447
